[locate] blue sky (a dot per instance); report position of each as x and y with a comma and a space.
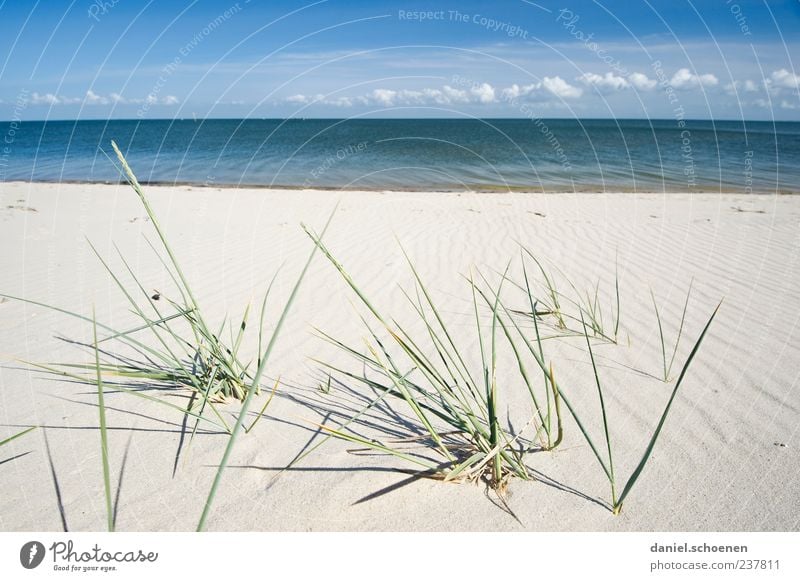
100, 59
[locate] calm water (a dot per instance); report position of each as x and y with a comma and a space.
551, 154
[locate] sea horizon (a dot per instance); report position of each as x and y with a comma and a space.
426, 154
392, 117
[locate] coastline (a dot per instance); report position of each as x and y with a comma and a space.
668, 189
728, 455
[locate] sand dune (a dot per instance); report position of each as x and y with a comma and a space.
727, 459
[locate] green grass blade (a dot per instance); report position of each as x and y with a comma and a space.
557, 405
660, 335
15, 436
131, 178
532, 302
84, 379
465, 465
680, 329
438, 317
518, 357
649, 450
264, 407
327, 253
103, 432
411, 401
256, 379
149, 324
349, 421
616, 292
605, 417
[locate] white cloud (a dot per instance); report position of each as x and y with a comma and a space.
479, 93
384, 97
483, 92
436, 96
641, 81
46, 99
736, 87
561, 88
610, 82
454, 95
787, 105
342, 102
607, 82
474, 94
512, 92
784, 79
93, 98
684, 79
515, 91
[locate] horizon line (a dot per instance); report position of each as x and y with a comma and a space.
203, 119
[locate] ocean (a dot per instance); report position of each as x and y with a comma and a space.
415, 154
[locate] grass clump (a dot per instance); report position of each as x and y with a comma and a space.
593, 328
454, 405
569, 312
184, 349
607, 463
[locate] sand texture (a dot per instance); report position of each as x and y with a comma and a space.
727, 458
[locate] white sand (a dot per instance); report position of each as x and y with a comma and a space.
727, 459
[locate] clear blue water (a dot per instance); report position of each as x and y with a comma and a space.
421, 154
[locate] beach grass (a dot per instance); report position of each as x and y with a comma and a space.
263, 359
668, 362
570, 309
607, 462
184, 349
594, 327
456, 408
454, 404
17, 435
192, 356
450, 392
101, 406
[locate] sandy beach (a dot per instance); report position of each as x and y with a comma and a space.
726, 460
